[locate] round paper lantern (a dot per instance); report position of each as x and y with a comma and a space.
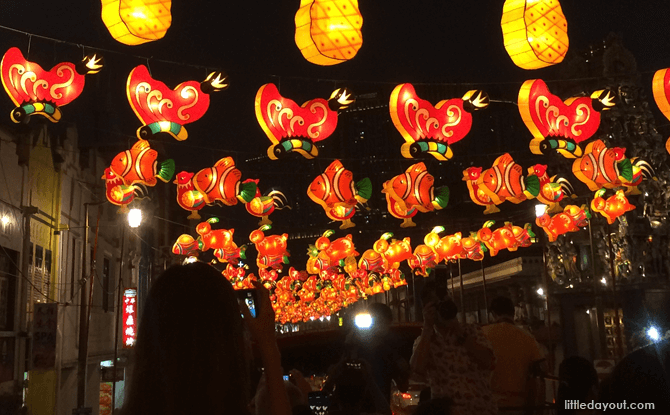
328, 32
535, 32
133, 22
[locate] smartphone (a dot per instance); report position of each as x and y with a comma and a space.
318, 401
286, 377
248, 296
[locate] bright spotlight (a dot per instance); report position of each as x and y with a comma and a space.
134, 218
191, 260
604, 281
540, 209
652, 332
363, 320
5, 220
540, 291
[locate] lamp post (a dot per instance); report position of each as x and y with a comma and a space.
134, 220
541, 210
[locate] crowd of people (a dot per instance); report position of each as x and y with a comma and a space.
195, 354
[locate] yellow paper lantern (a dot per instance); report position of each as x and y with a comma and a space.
133, 22
535, 32
328, 32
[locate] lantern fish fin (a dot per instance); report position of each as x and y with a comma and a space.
247, 192
441, 199
625, 169
363, 190
226, 161
167, 169
532, 184
140, 145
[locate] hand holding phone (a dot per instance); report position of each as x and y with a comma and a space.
248, 297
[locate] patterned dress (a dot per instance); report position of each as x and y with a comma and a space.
450, 373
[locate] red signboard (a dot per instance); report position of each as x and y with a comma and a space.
129, 318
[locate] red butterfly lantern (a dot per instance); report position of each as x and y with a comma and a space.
560, 125
165, 110
432, 129
35, 91
292, 127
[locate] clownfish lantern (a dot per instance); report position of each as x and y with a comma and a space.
328, 32
133, 22
535, 32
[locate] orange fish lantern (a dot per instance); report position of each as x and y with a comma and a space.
570, 220
133, 22
328, 32
139, 165
559, 125
337, 194
470, 176
35, 91
497, 240
535, 32
296, 128
262, 206
412, 192
118, 193
272, 252
165, 110
186, 245
223, 182
473, 248
602, 167
552, 189
661, 89
432, 129
505, 181
423, 260
523, 237
188, 197
612, 207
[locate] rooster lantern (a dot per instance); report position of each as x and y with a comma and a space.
296, 128
165, 110
432, 129
558, 125
337, 194
35, 91
262, 206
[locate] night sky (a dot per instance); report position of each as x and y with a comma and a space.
445, 43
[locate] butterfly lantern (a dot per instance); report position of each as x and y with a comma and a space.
35, 91
558, 125
337, 193
296, 128
661, 90
429, 129
272, 252
165, 110
603, 167
412, 192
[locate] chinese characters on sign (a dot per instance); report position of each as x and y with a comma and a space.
44, 335
129, 317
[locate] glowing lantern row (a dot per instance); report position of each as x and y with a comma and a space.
661, 90
133, 167
292, 127
412, 192
165, 110
612, 207
337, 194
35, 91
602, 167
570, 220
432, 129
218, 240
262, 205
552, 189
508, 237
129, 318
328, 32
559, 125
133, 22
272, 252
535, 32
503, 181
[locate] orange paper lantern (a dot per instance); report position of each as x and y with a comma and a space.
133, 22
535, 32
328, 32
612, 207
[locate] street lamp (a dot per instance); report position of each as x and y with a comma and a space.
134, 217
